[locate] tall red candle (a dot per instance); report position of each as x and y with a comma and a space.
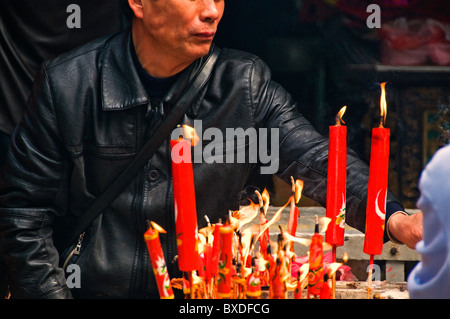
336, 182
155, 252
378, 183
185, 206
376, 194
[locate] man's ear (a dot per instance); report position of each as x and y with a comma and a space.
137, 8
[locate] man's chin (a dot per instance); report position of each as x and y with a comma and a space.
201, 50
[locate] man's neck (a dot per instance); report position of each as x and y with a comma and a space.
156, 87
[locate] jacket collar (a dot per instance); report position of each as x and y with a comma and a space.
121, 87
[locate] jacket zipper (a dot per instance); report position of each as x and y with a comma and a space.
75, 251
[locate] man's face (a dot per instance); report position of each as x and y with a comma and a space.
182, 29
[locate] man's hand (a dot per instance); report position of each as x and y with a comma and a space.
407, 229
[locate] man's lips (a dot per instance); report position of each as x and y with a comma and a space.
205, 35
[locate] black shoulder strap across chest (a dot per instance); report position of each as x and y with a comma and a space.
157, 136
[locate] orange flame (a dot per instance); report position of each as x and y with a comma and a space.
304, 270
298, 190
345, 257
190, 133
265, 196
244, 216
324, 222
332, 268
266, 200
158, 228
276, 217
383, 104
340, 114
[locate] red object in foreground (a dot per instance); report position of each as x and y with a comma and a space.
298, 288
185, 206
326, 291
254, 284
376, 194
277, 287
155, 252
294, 214
226, 256
336, 184
316, 272
215, 253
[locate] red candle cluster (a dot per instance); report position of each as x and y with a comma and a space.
228, 268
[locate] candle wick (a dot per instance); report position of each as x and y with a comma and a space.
316, 230
339, 120
207, 220
381, 121
292, 186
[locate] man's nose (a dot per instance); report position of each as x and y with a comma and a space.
210, 10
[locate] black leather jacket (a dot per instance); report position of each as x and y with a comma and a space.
86, 119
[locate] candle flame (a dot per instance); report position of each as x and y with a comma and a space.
345, 257
302, 241
264, 201
190, 133
324, 221
332, 268
383, 104
158, 228
265, 197
246, 246
274, 219
207, 231
244, 216
340, 114
298, 190
304, 270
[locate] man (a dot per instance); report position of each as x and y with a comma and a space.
88, 116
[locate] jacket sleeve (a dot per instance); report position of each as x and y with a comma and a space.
303, 152
31, 190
